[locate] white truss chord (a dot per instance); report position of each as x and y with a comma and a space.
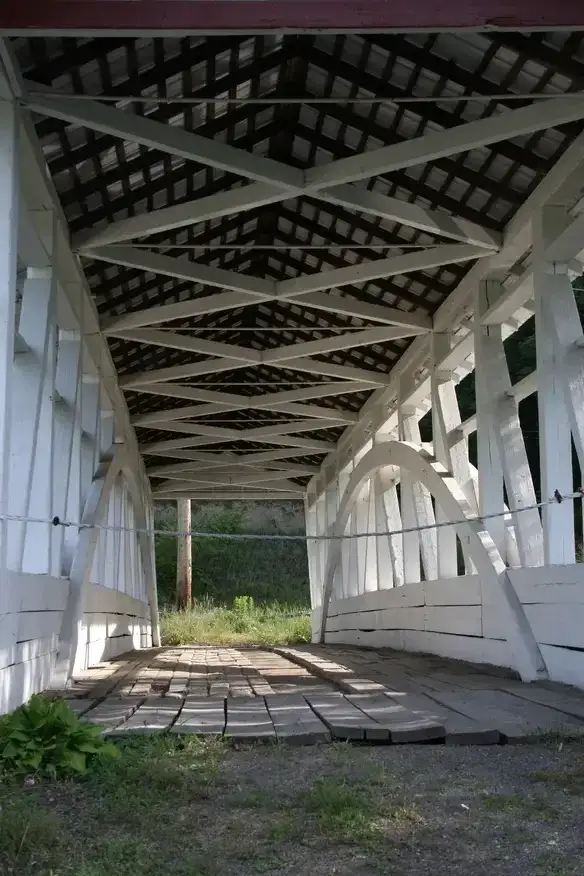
182, 310
166, 138
184, 269
338, 342
412, 215
363, 310
440, 144
190, 213
191, 344
381, 268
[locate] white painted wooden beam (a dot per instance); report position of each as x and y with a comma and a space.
266, 431
209, 482
188, 411
440, 144
227, 399
187, 470
244, 458
303, 444
338, 342
166, 138
316, 411
412, 215
181, 310
364, 310
176, 372
190, 213
381, 268
184, 269
190, 343
222, 494
331, 369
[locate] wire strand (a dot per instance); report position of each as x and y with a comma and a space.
235, 536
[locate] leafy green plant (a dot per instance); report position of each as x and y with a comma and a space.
45, 737
243, 604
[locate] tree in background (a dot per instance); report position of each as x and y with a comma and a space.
267, 570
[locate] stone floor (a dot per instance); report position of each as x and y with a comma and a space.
317, 694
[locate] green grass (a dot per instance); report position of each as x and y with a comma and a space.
217, 625
129, 816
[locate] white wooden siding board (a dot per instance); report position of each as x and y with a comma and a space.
464, 590
561, 625
464, 620
474, 649
28, 592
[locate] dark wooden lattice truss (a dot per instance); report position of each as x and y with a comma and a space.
354, 326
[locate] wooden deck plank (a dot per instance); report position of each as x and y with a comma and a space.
155, 715
248, 720
539, 717
345, 720
459, 729
294, 720
113, 711
567, 702
403, 724
80, 706
201, 716
495, 708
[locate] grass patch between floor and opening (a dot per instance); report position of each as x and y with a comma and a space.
208, 624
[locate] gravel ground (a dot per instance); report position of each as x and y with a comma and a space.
191, 807
496, 811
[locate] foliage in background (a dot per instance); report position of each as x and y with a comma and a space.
45, 737
244, 624
223, 569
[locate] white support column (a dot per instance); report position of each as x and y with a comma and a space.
501, 409
385, 571
345, 548
422, 504
394, 521
555, 445
321, 529
487, 339
366, 551
351, 582
444, 410
90, 397
94, 511
410, 540
9, 197
331, 508
311, 546
31, 444
64, 411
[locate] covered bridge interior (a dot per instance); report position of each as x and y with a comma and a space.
246, 265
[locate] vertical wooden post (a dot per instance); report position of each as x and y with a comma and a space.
555, 439
184, 556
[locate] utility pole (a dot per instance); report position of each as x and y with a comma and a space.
184, 558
